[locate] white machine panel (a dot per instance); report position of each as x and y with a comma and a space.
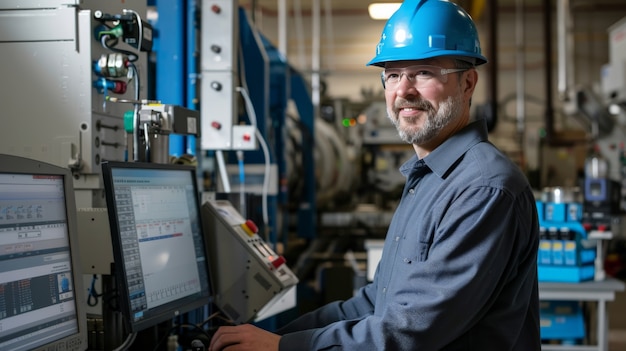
96, 252
220, 37
51, 111
220, 40
219, 44
218, 110
248, 276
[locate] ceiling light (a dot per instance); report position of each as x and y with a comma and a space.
382, 11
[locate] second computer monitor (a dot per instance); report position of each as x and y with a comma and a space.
158, 244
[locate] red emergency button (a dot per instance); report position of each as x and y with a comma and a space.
279, 261
250, 228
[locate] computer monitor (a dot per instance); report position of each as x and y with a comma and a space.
158, 244
41, 292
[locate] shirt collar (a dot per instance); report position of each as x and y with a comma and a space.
446, 155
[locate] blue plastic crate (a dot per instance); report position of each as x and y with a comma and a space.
565, 274
561, 320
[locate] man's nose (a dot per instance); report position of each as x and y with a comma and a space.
406, 86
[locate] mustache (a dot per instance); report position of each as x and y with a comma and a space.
420, 104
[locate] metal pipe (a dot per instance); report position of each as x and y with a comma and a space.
564, 44
297, 5
329, 33
547, 31
315, 55
282, 27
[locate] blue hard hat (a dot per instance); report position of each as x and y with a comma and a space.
422, 29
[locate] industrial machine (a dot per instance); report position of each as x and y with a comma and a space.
84, 64
566, 252
84, 102
88, 102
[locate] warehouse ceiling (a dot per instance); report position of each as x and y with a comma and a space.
475, 7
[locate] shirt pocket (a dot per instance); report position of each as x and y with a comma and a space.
424, 249
414, 250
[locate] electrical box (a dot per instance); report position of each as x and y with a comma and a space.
248, 276
219, 69
244, 137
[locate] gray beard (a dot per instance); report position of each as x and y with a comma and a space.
436, 120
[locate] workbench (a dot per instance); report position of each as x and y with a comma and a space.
601, 292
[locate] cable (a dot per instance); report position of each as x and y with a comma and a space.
136, 107
132, 57
217, 314
266, 153
132, 101
127, 343
139, 24
105, 37
93, 296
266, 178
243, 90
166, 335
135, 73
219, 154
242, 183
148, 147
209, 318
107, 297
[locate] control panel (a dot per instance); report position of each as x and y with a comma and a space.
248, 276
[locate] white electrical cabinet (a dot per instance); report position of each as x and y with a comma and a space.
51, 108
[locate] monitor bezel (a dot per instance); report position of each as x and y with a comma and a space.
170, 310
12, 164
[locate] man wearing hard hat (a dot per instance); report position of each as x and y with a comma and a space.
459, 265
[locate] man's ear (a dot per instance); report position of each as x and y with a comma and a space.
470, 78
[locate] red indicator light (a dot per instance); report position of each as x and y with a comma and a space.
279, 261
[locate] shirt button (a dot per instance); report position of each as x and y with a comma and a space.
411, 191
397, 238
384, 290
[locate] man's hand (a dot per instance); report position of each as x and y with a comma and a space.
245, 337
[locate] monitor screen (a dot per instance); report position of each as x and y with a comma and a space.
41, 291
158, 245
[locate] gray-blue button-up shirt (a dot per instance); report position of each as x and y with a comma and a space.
458, 269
